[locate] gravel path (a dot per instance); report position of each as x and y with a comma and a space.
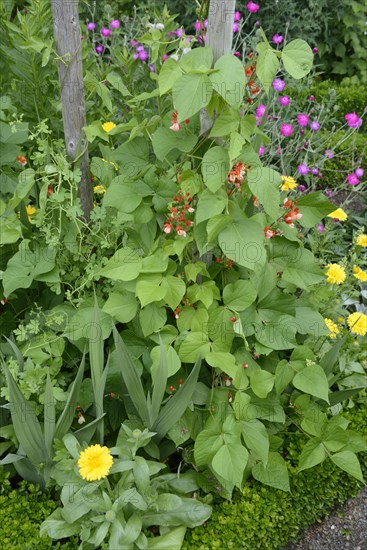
345, 528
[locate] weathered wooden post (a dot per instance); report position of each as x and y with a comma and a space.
219, 37
68, 46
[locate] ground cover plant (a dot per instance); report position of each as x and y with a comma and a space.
209, 308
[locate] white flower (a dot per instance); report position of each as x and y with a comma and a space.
159, 26
175, 56
186, 50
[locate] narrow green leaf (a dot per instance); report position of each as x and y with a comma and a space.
159, 383
49, 415
131, 379
177, 405
67, 416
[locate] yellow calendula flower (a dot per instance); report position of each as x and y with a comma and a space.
31, 210
361, 240
340, 319
95, 462
99, 189
108, 126
289, 183
339, 214
333, 327
360, 274
335, 274
357, 323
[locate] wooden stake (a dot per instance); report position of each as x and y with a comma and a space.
68, 46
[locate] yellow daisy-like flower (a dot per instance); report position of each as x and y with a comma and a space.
95, 462
333, 327
99, 189
289, 183
360, 274
108, 126
339, 214
335, 274
31, 210
361, 240
340, 319
357, 323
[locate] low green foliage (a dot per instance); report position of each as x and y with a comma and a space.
265, 518
21, 512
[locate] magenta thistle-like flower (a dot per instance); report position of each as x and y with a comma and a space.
315, 125
260, 110
284, 100
237, 16
311, 98
99, 48
91, 26
302, 119
353, 120
286, 129
277, 38
303, 169
278, 84
329, 153
352, 179
105, 32
302, 188
143, 55
252, 7
314, 171
236, 27
315, 50
115, 24
261, 151
359, 172
320, 228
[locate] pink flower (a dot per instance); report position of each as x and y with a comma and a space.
175, 127
353, 120
197, 26
352, 179
311, 98
236, 27
303, 169
329, 153
143, 55
134, 43
99, 48
91, 26
284, 100
105, 32
252, 7
314, 171
277, 39
165, 56
315, 51
237, 54
320, 228
261, 151
315, 125
286, 129
260, 111
237, 16
359, 172
302, 188
278, 84
180, 231
302, 119
167, 228
115, 24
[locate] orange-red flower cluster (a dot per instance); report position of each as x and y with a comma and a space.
237, 175
293, 213
175, 126
180, 211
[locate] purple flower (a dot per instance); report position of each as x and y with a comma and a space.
359, 172
284, 100
237, 16
352, 179
165, 56
237, 54
303, 169
315, 51
329, 193
277, 39
197, 26
257, 23
134, 43
286, 129
179, 32
261, 151
311, 98
99, 48
115, 24
329, 153
320, 228
302, 188
314, 171
278, 151
143, 55
105, 32
314, 125
235, 27
252, 7
302, 119
278, 84
91, 26
353, 120
151, 67
260, 111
